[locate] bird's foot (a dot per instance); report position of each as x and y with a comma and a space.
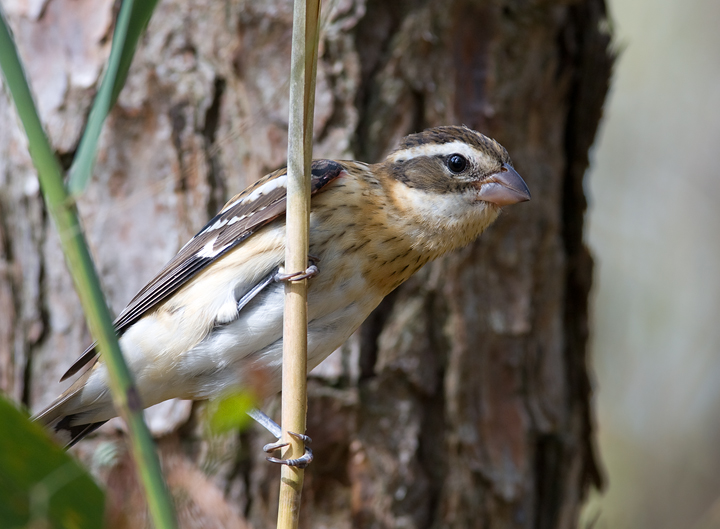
311, 271
272, 427
300, 462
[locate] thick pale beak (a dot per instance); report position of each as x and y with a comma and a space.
504, 188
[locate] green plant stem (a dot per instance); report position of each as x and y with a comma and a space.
294, 376
131, 21
63, 212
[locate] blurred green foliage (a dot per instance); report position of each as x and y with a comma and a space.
229, 412
40, 484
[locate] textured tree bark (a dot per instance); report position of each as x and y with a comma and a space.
464, 401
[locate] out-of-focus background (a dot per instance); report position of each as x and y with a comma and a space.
654, 228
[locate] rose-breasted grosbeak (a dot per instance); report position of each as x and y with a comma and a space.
213, 315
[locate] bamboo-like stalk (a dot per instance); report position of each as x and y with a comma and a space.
303, 70
62, 210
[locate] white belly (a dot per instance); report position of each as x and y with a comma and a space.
252, 344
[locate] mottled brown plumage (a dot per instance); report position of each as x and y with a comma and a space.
213, 315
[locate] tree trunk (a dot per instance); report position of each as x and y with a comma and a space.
464, 400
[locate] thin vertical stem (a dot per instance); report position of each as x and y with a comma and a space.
294, 377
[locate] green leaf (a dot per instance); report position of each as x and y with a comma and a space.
139, 18
40, 484
130, 25
38, 144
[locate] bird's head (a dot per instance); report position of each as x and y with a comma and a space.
458, 160
453, 180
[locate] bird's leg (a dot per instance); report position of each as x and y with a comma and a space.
266, 421
254, 291
273, 427
311, 271
260, 417
276, 276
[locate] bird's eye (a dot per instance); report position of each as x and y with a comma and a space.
457, 163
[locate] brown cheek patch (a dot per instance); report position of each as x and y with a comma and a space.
427, 174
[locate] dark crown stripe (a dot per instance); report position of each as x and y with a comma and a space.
440, 135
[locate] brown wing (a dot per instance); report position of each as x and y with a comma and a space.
243, 215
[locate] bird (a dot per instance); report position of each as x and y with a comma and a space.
212, 317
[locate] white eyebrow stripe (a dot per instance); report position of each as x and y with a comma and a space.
436, 149
267, 187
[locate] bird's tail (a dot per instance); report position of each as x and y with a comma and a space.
70, 418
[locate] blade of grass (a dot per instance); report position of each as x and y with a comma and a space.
303, 70
139, 18
62, 210
131, 22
